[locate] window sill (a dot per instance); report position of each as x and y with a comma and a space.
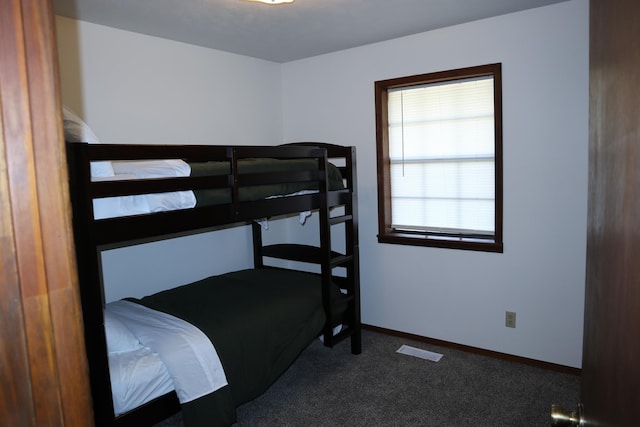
469, 244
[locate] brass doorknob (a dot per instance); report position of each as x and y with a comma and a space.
560, 417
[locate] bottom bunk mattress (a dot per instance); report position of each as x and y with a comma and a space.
258, 320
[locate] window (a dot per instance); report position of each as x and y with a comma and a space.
439, 148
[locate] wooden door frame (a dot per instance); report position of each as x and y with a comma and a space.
44, 374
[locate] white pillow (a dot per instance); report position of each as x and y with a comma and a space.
76, 130
119, 337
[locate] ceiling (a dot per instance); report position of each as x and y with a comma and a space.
286, 32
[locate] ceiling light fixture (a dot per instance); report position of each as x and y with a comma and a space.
272, 1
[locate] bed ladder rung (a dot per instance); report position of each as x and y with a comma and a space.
340, 219
304, 253
340, 260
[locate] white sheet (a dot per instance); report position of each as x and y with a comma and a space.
137, 377
112, 207
152, 168
189, 356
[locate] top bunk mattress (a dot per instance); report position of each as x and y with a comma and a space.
111, 207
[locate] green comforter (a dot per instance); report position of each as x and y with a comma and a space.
259, 322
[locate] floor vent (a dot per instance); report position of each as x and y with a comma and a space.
417, 352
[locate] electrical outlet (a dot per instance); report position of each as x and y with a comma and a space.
510, 319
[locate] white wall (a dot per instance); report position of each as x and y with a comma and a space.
133, 88
462, 296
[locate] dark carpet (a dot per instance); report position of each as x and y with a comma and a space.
332, 387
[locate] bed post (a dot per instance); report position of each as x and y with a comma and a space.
90, 281
325, 247
353, 248
256, 230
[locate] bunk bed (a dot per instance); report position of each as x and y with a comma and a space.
225, 186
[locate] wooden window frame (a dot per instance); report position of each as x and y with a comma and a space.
386, 234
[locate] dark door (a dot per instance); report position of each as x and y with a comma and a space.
611, 359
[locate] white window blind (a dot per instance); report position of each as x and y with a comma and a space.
442, 153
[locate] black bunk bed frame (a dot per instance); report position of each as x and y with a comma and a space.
92, 236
